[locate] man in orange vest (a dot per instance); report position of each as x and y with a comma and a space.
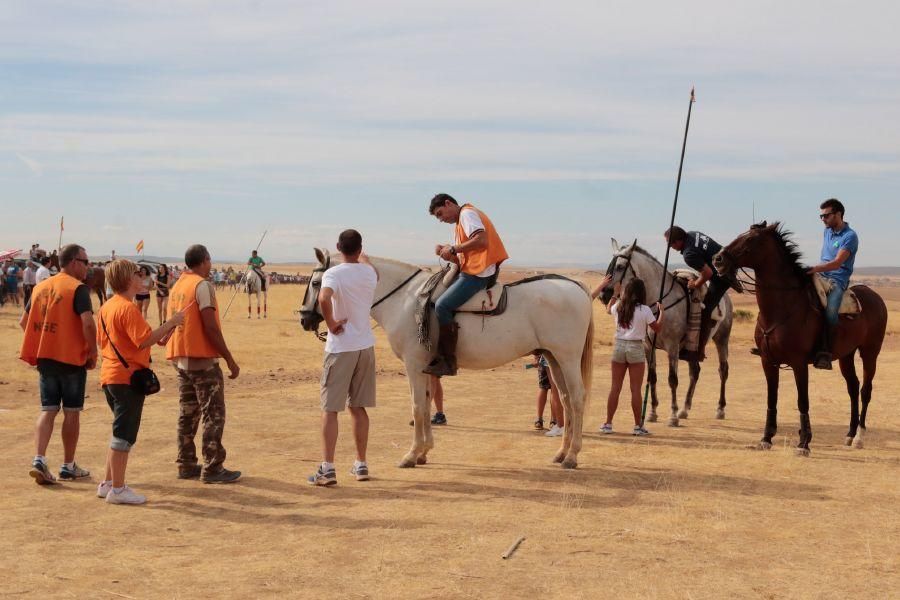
194, 349
478, 251
60, 340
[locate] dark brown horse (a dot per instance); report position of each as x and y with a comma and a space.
96, 280
790, 323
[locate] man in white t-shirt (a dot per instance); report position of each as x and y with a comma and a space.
29, 280
43, 271
348, 379
478, 250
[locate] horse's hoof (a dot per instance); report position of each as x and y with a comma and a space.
408, 462
858, 443
683, 414
569, 463
652, 418
848, 441
720, 415
673, 422
421, 460
559, 457
764, 446
801, 451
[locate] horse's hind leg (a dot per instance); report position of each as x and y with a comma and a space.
869, 360
558, 379
722, 350
694, 373
265, 305
848, 370
571, 389
673, 386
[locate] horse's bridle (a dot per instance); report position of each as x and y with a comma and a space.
628, 265
323, 335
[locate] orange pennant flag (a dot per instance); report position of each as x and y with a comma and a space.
140, 246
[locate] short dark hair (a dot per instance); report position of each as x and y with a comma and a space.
833, 204
675, 234
45, 260
69, 253
195, 255
349, 242
439, 200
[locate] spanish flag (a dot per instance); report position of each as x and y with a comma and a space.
140, 247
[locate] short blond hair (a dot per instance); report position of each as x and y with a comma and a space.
119, 273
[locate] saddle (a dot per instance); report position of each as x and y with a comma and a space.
849, 304
491, 302
683, 276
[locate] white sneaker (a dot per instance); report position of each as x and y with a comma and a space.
103, 489
555, 431
126, 496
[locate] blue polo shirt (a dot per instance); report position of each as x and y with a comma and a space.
832, 242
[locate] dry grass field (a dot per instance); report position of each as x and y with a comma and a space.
687, 513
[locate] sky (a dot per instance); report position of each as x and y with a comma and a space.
211, 122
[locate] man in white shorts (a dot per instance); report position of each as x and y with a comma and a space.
348, 376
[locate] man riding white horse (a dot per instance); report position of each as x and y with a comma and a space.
257, 263
478, 251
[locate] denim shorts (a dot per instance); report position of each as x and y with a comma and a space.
629, 351
61, 384
127, 406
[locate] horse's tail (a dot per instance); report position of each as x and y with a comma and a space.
587, 361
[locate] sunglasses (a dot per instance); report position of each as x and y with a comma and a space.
83, 261
824, 216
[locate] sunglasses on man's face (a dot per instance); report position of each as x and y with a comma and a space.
824, 216
83, 261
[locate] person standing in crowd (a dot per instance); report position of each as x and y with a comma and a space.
142, 298
125, 340
547, 386
162, 291
194, 349
29, 280
43, 271
348, 380
60, 340
12, 281
633, 317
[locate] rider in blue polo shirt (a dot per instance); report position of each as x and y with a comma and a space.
839, 248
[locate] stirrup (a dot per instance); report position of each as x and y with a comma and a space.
823, 361
440, 367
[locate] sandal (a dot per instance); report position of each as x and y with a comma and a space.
539, 423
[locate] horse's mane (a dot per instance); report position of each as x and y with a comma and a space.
789, 247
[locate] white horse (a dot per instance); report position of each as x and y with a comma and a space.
550, 315
632, 261
253, 285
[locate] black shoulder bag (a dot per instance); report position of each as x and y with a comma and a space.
143, 381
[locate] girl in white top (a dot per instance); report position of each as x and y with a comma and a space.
633, 318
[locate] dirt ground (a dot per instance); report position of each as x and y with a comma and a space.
689, 512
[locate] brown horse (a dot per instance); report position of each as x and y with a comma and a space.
790, 324
96, 280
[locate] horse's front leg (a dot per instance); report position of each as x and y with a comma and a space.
418, 390
652, 417
694, 374
772, 373
801, 377
673, 386
265, 305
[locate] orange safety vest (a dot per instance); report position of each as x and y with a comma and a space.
123, 320
53, 330
189, 339
474, 262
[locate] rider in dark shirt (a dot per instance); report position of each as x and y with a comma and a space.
698, 250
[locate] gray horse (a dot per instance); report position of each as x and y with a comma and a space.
632, 261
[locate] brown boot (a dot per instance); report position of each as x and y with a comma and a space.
444, 363
823, 356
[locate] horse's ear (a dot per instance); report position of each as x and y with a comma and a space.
615, 245
632, 246
320, 255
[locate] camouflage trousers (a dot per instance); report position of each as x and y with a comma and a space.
202, 397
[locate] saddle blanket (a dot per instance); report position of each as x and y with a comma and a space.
849, 303
695, 307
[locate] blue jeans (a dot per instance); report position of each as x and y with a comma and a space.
834, 303
458, 294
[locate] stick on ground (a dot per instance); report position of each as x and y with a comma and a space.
513, 548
